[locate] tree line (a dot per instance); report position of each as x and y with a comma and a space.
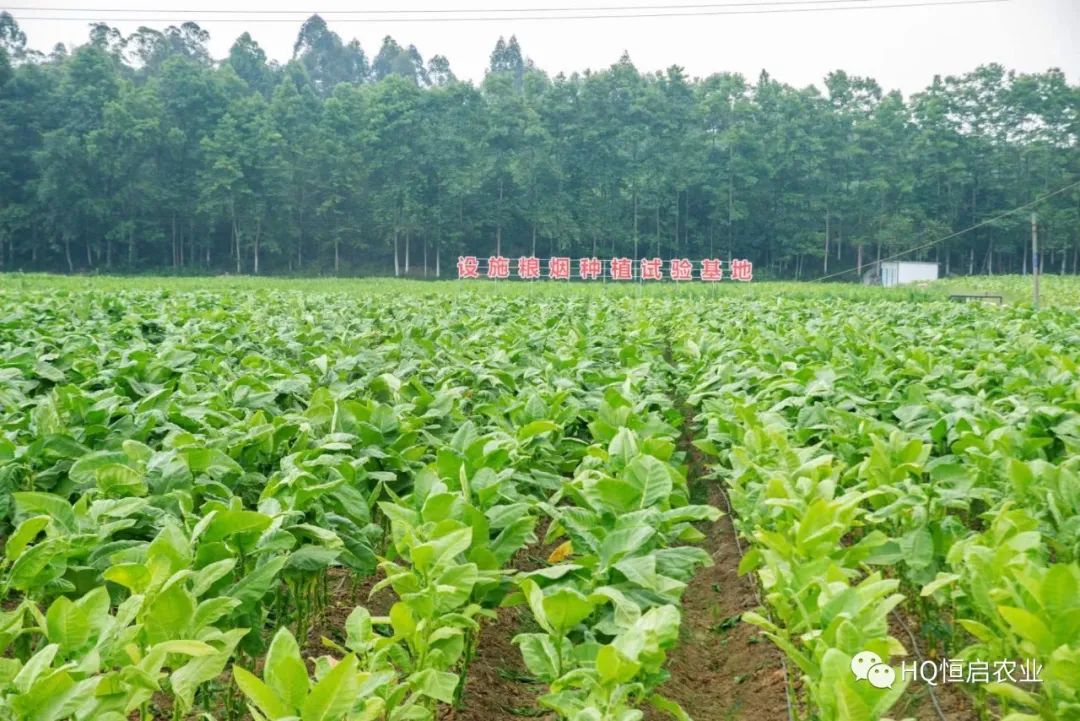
143, 153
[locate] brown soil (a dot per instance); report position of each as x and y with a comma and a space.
722, 669
917, 702
346, 592
498, 686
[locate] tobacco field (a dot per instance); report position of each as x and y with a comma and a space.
419, 501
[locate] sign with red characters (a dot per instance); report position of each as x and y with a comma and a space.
498, 267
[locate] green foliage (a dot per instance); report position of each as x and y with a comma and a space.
914, 459
186, 475
139, 152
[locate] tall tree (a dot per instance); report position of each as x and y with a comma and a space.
326, 59
141, 152
248, 61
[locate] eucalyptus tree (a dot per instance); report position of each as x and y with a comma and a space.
141, 152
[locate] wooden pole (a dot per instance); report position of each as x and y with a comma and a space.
826, 268
1035, 261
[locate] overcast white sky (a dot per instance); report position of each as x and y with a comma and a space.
901, 47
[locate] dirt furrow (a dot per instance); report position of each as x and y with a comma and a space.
723, 669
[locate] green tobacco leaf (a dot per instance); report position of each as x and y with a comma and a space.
35, 667
48, 504
651, 480
512, 537
565, 608
208, 575
333, 696
26, 532
1060, 590
623, 447
119, 481
311, 558
67, 625
439, 685
536, 428
284, 669
402, 619
623, 542
668, 706
1029, 627
132, 576
1013, 693
52, 697
83, 471
261, 695
187, 648
169, 614
203, 667
32, 562
942, 580
255, 585
614, 667
541, 658
230, 523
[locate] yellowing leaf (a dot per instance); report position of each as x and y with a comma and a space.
560, 554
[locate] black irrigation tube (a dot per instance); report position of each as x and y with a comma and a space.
687, 425
919, 656
761, 602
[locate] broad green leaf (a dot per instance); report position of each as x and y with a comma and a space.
613, 667
284, 669
402, 619
230, 523
540, 656
252, 587
942, 580
565, 608
32, 562
117, 481
439, 685
132, 576
535, 428
668, 706
203, 667
26, 532
67, 625
261, 695
651, 480
1028, 626
83, 471
48, 504
332, 697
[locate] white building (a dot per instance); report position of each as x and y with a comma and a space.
891, 273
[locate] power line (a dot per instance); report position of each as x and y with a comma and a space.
441, 11
978, 225
613, 16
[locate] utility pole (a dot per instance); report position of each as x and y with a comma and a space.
1035, 261
826, 268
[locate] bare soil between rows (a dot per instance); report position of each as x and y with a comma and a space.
498, 686
723, 669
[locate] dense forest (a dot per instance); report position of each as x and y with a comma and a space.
143, 153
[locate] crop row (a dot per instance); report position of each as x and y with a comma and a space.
183, 475
885, 468
179, 475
